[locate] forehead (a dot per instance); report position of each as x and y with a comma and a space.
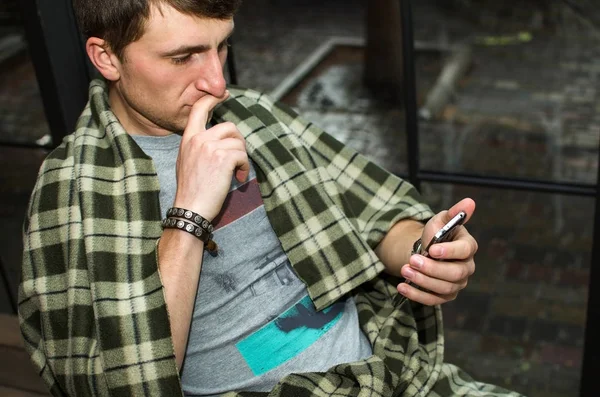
166, 24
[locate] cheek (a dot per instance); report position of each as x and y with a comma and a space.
173, 90
166, 84
157, 78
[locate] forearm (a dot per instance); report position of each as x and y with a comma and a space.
395, 248
180, 262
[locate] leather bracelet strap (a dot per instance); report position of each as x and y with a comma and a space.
193, 229
191, 216
174, 223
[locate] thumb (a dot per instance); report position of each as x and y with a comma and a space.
442, 218
201, 112
467, 205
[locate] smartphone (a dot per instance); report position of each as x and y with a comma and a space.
447, 232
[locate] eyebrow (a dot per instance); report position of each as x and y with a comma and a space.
185, 49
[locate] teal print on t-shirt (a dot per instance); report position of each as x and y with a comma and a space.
288, 335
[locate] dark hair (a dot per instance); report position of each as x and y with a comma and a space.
121, 22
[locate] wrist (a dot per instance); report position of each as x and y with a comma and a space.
176, 249
191, 223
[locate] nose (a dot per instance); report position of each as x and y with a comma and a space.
210, 76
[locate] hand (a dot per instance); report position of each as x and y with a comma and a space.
208, 159
447, 269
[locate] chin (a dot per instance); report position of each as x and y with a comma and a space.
174, 125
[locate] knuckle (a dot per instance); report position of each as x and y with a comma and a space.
207, 147
196, 144
220, 155
471, 269
475, 246
460, 273
193, 140
241, 139
449, 289
239, 145
231, 128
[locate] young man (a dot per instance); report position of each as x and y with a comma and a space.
292, 299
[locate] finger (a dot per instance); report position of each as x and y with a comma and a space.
242, 170
424, 297
463, 247
448, 271
437, 286
225, 144
225, 130
236, 161
200, 112
230, 138
237, 141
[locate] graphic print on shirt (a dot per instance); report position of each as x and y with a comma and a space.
288, 335
266, 321
239, 202
242, 199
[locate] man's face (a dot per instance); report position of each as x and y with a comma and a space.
178, 60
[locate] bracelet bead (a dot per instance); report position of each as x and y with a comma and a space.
175, 223
192, 216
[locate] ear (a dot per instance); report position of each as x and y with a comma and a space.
103, 58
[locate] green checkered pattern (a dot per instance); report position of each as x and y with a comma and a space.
91, 301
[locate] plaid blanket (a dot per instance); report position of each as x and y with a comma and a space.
91, 302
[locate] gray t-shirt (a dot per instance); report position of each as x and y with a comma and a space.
253, 322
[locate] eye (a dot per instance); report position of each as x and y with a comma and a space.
181, 60
224, 45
